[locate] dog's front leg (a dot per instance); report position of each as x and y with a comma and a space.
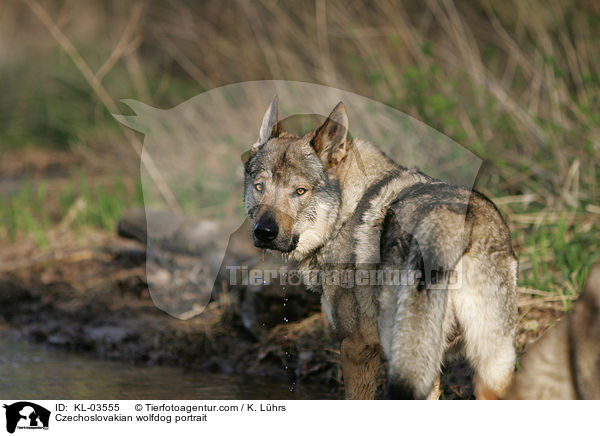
360, 363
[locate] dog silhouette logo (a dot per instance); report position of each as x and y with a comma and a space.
26, 415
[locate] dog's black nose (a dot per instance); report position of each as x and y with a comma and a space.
266, 229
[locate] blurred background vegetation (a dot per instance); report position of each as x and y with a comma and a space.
515, 82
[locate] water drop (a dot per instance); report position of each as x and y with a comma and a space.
284, 260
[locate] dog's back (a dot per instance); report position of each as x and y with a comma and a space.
565, 363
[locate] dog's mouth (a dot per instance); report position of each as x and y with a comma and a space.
278, 245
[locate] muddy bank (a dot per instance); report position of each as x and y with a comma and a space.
96, 301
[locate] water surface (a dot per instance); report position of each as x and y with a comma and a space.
30, 371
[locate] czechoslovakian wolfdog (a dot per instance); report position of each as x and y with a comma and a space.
334, 203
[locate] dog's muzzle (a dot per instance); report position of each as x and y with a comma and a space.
268, 234
266, 230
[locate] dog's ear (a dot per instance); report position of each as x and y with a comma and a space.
269, 128
330, 139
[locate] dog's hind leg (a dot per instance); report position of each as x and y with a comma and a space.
417, 343
485, 308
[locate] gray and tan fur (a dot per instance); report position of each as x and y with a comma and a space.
333, 202
565, 363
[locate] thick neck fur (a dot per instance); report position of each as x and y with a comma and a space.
364, 165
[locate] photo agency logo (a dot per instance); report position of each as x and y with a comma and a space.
348, 278
195, 224
25, 415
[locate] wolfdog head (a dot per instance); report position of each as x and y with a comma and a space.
292, 192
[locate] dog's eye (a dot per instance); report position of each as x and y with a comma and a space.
258, 186
300, 191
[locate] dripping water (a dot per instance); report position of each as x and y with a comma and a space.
265, 283
284, 261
